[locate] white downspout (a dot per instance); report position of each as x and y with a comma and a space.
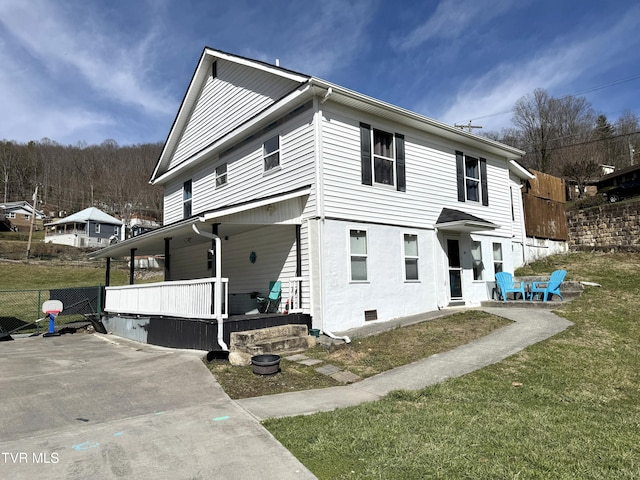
217, 301
320, 204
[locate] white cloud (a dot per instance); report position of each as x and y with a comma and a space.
451, 18
489, 99
323, 37
73, 44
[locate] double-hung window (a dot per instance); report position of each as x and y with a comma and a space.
186, 199
497, 257
97, 227
221, 175
472, 179
382, 157
410, 257
271, 153
476, 256
358, 250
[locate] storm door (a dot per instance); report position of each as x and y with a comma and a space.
455, 269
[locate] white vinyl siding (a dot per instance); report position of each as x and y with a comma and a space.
245, 166
236, 94
430, 166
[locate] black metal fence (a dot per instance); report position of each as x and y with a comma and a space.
21, 308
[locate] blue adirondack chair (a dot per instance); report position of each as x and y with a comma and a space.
506, 285
549, 288
269, 304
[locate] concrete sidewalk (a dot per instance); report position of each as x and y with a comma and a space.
529, 327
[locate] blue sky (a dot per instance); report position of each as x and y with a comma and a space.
89, 70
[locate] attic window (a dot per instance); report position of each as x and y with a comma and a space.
214, 69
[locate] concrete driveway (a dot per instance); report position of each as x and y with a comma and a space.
90, 406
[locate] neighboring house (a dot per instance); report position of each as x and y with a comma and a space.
17, 216
545, 217
138, 225
89, 228
363, 210
617, 180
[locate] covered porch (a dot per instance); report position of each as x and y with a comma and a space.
216, 266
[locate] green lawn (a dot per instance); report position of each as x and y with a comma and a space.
566, 408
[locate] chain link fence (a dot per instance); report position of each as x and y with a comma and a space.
19, 309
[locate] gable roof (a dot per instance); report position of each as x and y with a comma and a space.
305, 87
88, 214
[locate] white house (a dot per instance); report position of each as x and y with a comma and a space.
363, 210
87, 228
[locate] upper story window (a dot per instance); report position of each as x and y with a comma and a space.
271, 153
97, 228
221, 175
11, 215
186, 199
410, 257
472, 179
358, 250
382, 157
27, 216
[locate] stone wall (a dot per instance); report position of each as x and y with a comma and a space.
609, 227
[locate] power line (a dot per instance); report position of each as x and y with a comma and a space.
589, 90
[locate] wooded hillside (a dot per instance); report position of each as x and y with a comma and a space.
71, 178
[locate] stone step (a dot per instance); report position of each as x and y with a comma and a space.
279, 345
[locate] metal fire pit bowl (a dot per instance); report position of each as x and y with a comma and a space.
265, 364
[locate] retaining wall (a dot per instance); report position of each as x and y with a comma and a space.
609, 227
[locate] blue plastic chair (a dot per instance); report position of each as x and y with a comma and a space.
549, 288
506, 285
269, 304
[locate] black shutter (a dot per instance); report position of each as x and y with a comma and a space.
460, 176
483, 181
401, 179
365, 152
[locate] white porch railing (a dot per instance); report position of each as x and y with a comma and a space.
293, 303
183, 299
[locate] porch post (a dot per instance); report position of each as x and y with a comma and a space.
214, 230
167, 259
298, 251
107, 279
132, 265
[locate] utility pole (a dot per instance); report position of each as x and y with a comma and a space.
33, 219
469, 127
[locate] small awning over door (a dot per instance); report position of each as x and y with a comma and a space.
457, 221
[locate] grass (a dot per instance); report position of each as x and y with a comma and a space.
364, 356
566, 408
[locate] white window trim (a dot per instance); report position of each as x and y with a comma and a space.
360, 255
189, 200
495, 261
97, 228
225, 176
278, 151
473, 179
406, 257
483, 272
393, 159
